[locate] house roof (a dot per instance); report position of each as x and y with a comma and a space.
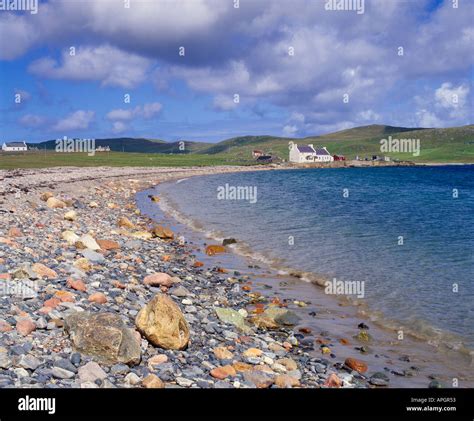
15, 144
264, 158
321, 151
305, 149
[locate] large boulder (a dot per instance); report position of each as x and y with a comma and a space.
163, 324
103, 336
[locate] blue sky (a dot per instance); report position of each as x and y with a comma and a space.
291, 64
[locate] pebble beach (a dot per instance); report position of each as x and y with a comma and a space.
93, 294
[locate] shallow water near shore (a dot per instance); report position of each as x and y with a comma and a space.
335, 316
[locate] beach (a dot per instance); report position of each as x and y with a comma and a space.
97, 294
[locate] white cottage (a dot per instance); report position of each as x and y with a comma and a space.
14, 147
323, 155
302, 154
305, 154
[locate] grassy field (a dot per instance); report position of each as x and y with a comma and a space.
111, 159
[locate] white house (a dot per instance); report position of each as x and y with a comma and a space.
302, 154
14, 147
305, 154
323, 155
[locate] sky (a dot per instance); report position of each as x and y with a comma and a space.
209, 70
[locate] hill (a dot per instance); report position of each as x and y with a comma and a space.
137, 145
454, 144
365, 132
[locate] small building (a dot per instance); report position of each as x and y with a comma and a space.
102, 149
14, 147
302, 154
264, 159
380, 158
339, 157
256, 153
323, 155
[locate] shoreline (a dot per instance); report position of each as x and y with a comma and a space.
230, 357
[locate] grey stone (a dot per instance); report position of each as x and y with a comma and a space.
61, 373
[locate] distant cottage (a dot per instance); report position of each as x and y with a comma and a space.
14, 147
264, 159
302, 154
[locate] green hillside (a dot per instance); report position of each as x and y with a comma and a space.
454, 144
364, 132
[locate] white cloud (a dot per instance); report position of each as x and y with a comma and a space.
297, 117
369, 115
290, 130
119, 127
448, 105
121, 118
147, 111
32, 120
224, 103
78, 120
120, 114
448, 96
426, 118
151, 110
110, 66
16, 28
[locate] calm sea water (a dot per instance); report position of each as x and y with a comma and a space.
302, 220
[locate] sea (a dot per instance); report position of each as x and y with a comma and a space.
398, 241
